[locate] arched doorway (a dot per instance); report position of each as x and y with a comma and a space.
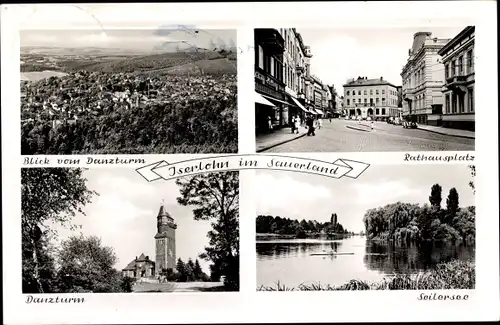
370, 112
358, 111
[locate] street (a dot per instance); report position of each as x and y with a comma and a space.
336, 136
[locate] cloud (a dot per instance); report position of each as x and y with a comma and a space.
384, 192
276, 192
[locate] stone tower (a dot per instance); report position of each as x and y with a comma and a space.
165, 241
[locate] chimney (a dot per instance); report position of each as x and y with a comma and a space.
381, 78
136, 258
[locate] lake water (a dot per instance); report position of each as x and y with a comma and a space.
290, 261
38, 75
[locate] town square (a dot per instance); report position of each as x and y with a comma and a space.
364, 90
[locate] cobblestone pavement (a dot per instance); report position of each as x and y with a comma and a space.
336, 137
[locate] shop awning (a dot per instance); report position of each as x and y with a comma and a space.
274, 100
261, 100
299, 104
312, 111
319, 111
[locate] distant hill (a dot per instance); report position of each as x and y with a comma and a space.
163, 60
91, 50
217, 66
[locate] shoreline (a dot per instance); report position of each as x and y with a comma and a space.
452, 275
262, 236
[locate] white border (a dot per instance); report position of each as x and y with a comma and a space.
248, 305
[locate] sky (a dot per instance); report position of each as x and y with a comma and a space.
133, 39
313, 197
340, 54
124, 216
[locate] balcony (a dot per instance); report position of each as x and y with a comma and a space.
300, 69
457, 83
270, 39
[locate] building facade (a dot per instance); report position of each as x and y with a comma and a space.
141, 267
270, 99
296, 70
165, 242
423, 78
374, 98
458, 89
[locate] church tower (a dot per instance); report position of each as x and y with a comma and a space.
165, 241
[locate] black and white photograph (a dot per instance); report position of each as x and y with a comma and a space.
398, 227
110, 231
167, 90
364, 90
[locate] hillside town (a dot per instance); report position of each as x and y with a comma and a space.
430, 108
158, 103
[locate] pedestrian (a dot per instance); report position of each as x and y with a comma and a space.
310, 124
330, 119
372, 125
269, 124
297, 124
320, 123
292, 124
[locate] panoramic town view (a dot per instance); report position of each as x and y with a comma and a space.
110, 231
414, 230
406, 89
128, 91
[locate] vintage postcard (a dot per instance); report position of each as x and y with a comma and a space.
250, 162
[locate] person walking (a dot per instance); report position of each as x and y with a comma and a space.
292, 124
320, 123
269, 124
297, 124
310, 125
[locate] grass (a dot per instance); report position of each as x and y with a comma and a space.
452, 275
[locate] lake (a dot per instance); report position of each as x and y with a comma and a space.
290, 262
38, 75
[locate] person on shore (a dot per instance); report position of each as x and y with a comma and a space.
297, 124
310, 125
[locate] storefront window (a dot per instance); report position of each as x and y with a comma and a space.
261, 57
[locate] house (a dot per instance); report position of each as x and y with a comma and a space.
140, 267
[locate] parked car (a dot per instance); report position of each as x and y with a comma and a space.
409, 125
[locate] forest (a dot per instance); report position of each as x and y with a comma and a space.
406, 223
266, 224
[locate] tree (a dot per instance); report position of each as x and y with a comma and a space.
435, 197
87, 266
473, 174
47, 195
190, 270
181, 269
215, 197
452, 206
198, 272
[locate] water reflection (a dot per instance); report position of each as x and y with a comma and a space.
287, 249
392, 259
336, 262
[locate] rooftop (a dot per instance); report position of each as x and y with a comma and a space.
364, 81
469, 30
